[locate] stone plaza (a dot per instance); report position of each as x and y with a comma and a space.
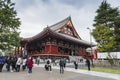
39, 73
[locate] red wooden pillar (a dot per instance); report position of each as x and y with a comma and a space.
53, 49
47, 49
50, 49
95, 54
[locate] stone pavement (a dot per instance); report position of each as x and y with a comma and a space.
39, 73
85, 72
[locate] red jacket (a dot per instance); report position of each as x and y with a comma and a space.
30, 63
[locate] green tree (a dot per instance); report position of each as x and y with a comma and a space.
9, 25
107, 17
105, 38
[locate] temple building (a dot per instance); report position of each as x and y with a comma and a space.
58, 40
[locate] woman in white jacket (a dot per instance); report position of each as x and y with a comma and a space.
18, 63
24, 64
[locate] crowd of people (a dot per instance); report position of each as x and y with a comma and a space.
15, 64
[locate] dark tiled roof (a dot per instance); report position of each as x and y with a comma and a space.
75, 39
60, 24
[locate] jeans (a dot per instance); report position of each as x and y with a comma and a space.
29, 70
62, 69
8, 67
18, 68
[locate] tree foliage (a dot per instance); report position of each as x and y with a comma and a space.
107, 28
105, 38
9, 25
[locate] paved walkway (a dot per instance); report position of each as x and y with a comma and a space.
92, 73
39, 73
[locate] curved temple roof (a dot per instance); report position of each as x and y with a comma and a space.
56, 26
60, 24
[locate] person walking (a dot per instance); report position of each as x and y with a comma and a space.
18, 63
38, 60
13, 64
24, 63
8, 61
30, 65
61, 63
76, 64
88, 64
64, 62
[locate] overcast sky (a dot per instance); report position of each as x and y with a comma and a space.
37, 14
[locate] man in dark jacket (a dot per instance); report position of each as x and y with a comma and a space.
8, 61
76, 64
61, 63
88, 64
